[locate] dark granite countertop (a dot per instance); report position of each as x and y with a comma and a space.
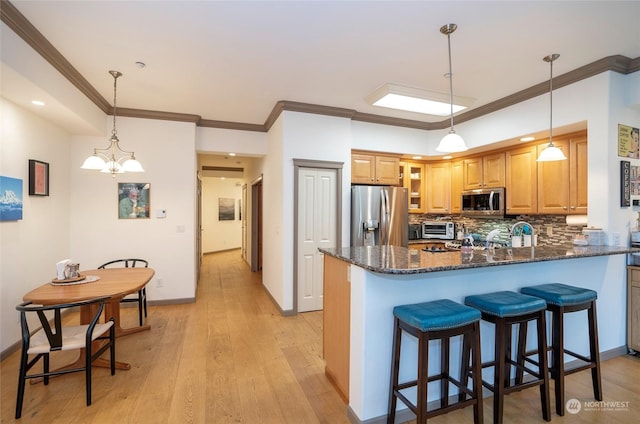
400, 260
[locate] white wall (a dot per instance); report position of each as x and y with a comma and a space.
166, 150
31, 247
220, 235
311, 137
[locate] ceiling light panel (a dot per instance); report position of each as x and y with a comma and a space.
417, 100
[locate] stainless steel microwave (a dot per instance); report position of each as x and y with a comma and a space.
484, 202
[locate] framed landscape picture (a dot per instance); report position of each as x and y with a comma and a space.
10, 199
226, 209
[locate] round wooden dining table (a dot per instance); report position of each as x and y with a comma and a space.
114, 283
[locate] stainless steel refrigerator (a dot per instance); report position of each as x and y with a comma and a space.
379, 216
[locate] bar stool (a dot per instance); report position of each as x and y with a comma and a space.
561, 299
436, 320
504, 309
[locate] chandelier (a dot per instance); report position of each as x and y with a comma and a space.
451, 142
551, 152
113, 159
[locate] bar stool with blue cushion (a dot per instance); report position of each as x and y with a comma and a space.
436, 320
504, 309
561, 299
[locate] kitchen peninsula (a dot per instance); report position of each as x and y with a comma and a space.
363, 284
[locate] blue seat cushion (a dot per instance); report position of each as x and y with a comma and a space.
505, 303
436, 315
561, 294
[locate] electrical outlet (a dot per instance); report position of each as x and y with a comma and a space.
549, 231
159, 283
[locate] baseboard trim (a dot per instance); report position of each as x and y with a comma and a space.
284, 313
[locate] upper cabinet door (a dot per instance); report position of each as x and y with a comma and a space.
374, 169
439, 187
387, 170
578, 175
493, 172
553, 182
484, 172
363, 169
521, 180
472, 173
456, 186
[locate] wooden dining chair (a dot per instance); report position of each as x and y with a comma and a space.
53, 337
141, 297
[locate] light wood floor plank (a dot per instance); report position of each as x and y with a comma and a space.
231, 358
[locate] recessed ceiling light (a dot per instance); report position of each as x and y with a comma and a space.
527, 138
416, 100
37, 102
140, 64
232, 154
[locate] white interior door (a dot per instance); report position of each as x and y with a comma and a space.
316, 228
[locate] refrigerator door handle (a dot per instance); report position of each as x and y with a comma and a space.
384, 217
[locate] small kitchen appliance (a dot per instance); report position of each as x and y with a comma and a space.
444, 230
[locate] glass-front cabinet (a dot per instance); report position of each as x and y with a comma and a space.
412, 177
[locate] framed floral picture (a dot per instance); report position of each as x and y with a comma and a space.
38, 178
133, 200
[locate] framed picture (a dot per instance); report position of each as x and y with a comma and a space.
628, 141
226, 209
133, 200
10, 199
38, 178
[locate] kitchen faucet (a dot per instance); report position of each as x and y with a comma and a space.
523, 224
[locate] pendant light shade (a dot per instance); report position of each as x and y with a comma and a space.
551, 152
113, 160
451, 142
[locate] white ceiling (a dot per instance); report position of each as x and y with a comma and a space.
232, 61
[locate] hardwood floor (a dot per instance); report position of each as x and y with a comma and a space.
231, 358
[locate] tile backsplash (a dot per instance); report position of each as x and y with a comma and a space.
552, 230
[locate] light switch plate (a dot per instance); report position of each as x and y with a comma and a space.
161, 213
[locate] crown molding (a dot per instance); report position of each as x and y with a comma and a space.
34, 38
30, 34
155, 114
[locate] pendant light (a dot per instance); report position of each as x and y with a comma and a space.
107, 160
451, 142
551, 152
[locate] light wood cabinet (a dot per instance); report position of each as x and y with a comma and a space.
336, 319
578, 175
374, 169
438, 187
484, 172
521, 181
553, 181
414, 181
633, 308
562, 185
456, 186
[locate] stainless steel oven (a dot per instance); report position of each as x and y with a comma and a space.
444, 230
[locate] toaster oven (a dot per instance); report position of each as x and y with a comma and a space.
444, 230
